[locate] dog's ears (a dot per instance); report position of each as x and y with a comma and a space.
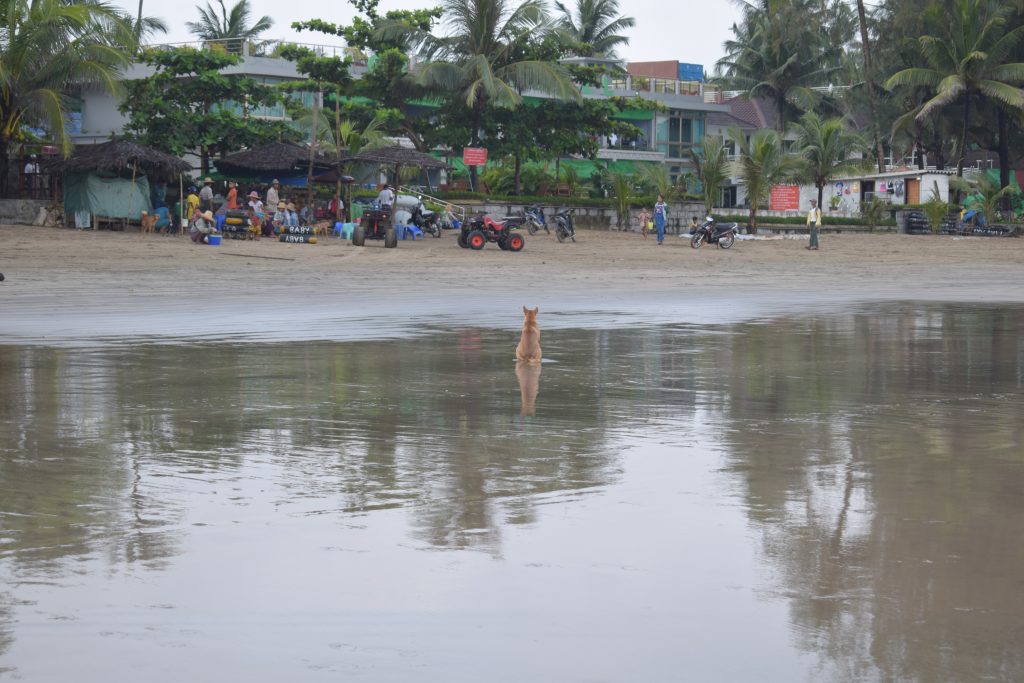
536, 310
525, 310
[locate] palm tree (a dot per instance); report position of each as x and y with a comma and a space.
966, 56
593, 30
761, 164
827, 148
869, 82
480, 58
782, 50
710, 160
47, 46
622, 197
983, 194
232, 27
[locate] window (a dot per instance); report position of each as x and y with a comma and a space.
678, 131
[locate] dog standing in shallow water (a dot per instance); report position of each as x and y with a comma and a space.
528, 350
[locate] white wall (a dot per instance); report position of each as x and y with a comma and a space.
100, 116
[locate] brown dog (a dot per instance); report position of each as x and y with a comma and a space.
528, 350
148, 222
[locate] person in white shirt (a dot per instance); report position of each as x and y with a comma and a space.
386, 197
206, 195
274, 193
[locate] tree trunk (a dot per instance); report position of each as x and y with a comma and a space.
821, 192
518, 176
1004, 157
317, 102
337, 147
780, 109
478, 116
204, 161
5, 167
138, 29
963, 138
870, 82
753, 219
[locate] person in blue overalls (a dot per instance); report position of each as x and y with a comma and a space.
660, 216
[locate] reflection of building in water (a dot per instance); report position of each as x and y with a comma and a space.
881, 460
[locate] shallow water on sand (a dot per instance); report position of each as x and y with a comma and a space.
827, 497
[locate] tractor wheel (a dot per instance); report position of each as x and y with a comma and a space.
476, 240
358, 236
503, 243
461, 239
515, 241
390, 239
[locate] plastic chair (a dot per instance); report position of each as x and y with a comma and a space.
413, 232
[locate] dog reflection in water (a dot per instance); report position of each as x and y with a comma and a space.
528, 375
528, 356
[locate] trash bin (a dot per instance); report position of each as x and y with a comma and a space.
400, 232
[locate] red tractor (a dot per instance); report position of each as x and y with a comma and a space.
480, 229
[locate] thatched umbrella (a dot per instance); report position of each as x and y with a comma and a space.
397, 157
279, 157
121, 155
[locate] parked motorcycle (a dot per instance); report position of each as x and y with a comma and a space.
722, 235
426, 220
535, 220
563, 225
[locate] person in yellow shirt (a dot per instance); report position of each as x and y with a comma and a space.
191, 204
814, 223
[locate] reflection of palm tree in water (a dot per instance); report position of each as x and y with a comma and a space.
528, 375
879, 498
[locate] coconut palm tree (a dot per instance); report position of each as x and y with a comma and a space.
481, 58
710, 160
761, 164
232, 27
967, 54
594, 28
828, 149
47, 46
783, 49
983, 194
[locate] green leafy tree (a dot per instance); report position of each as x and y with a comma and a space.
710, 162
593, 28
828, 149
762, 163
783, 49
967, 52
622, 198
481, 59
188, 104
385, 91
983, 194
230, 27
47, 47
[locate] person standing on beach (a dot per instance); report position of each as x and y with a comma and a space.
273, 194
232, 198
206, 195
814, 223
660, 217
191, 204
645, 221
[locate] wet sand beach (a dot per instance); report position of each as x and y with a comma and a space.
65, 284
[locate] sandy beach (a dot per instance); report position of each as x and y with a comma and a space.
66, 285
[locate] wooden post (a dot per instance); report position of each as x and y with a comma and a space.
131, 197
181, 204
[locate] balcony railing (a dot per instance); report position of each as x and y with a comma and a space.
263, 48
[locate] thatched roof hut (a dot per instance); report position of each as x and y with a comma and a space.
278, 157
118, 156
396, 156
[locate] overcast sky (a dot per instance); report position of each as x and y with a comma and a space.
665, 29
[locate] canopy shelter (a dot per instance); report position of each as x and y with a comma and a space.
111, 180
396, 157
284, 160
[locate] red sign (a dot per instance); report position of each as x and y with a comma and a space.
784, 198
474, 156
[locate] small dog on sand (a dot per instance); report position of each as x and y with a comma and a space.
528, 350
148, 222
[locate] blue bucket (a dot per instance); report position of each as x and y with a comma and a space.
213, 240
